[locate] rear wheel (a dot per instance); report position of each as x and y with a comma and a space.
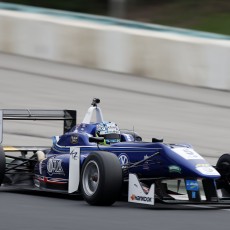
2, 164
101, 178
223, 166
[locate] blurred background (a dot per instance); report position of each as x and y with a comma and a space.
160, 67
140, 57
205, 15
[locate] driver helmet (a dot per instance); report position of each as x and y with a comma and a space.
110, 132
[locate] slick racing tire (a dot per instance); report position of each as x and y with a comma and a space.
2, 164
101, 178
223, 166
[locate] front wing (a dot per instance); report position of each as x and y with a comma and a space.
193, 193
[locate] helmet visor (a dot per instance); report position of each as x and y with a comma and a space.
111, 137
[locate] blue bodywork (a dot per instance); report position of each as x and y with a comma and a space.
153, 160
147, 171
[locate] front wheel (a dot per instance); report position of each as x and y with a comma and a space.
223, 167
2, 164
101, 178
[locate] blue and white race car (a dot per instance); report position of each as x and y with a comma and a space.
101, 162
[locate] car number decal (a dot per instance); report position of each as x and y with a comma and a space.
188, 154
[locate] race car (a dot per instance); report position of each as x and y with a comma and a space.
99, 161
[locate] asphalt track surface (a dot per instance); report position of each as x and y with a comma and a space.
180, 114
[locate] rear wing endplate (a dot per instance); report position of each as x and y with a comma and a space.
68, 116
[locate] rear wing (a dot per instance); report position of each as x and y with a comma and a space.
68, 116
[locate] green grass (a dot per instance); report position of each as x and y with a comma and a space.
217, 23
205, 15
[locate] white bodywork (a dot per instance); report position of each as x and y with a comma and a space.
136, 193
188, 153
204, 167
74, 169
88, 117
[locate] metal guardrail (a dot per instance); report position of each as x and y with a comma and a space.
111, 21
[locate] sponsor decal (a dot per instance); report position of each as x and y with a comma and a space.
138, 192
189, 152
192, 185
174, 169
202, 165
133, 197
74, 150
56, 180
54, 166
146, 163
39, 179
192, 153
123, 158
74, 139
75, 156
141, 198
208, 171
193, 195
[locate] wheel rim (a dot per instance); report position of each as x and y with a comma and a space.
90, 178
